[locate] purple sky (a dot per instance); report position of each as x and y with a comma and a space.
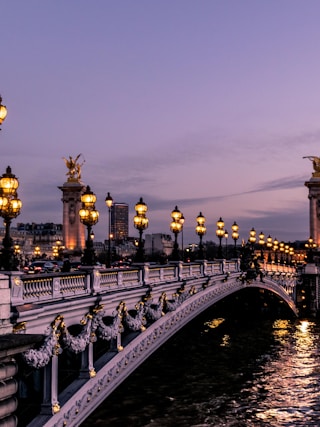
209, 105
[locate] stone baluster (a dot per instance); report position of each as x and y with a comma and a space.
50, 404
87, 368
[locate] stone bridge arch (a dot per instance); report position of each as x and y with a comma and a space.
87, 393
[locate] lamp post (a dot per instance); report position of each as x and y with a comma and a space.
311, 245
269, 247
291, 254
182, 248
235, 236
252, 238
89, 216
176, 226
109, 203
140, 222
281, 249
226, 235
3, 111
201, 231
286, 251
55, 252
10, 207
60, 248
220, 234
275, 248
261, 243
17, 253
37, 252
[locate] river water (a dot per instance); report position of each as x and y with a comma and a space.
224, 371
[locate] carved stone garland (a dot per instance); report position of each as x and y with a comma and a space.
93, 326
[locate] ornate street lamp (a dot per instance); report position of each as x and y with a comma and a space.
286, 251
55, 252
226, 235
252, 238
17, 253
261, 243
58, 249
109, 203
37, 252
182, 248
275, 248
140, 222
291, 255
235, 236
176, 226
10, 207
3, 111
201, 231
281, 249
220, 234
89, 216
269, 247
311, 245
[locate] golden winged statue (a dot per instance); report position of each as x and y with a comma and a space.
316, 164
74, 167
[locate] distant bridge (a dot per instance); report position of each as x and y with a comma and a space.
129, 313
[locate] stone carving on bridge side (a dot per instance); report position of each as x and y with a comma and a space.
178, 298
94, 326
114, 329
135, 322
74, 168
78, 344
39, 358
316, 165
155, 310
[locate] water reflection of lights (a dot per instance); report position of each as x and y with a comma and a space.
281, 330
225, 341
290, 380
214, 323
304, 325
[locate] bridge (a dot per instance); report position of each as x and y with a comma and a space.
96, 326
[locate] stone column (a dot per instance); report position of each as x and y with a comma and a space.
73, 229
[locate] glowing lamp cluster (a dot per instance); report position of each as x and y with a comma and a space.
201, 231
89, 216
3, 111
220, 235
140, 222
252, 236
10, 207
176, 226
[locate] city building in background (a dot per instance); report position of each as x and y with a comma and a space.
119, 222
158, 244
32, 240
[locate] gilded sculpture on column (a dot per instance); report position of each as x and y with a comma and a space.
74, 168
316, 165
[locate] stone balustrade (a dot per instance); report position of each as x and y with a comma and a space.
90, 280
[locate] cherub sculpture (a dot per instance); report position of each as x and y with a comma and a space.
74, 168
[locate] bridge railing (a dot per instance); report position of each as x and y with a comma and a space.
89, 280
